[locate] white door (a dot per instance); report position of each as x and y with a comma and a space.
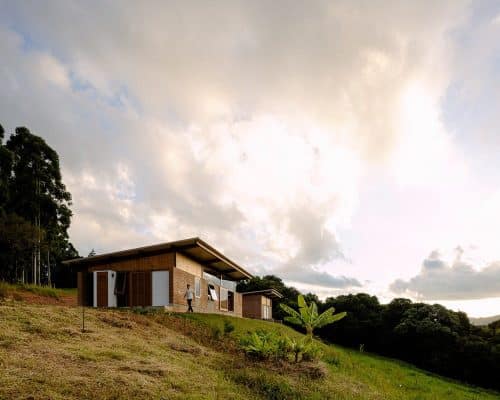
160, 288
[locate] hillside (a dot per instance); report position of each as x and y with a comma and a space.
484, 320
125, 354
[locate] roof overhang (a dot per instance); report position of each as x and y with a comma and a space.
213, 261
271, 293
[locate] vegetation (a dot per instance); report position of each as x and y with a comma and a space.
34, 212
308, 316
125, 354
429, 336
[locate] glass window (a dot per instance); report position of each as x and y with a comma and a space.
212, 294
223, 298
197, 287
230, 301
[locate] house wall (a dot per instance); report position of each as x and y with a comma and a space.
188, 265
181, 278
180, 269
252, 306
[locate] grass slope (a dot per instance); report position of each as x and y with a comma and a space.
124, 355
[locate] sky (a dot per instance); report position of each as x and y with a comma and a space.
345, 146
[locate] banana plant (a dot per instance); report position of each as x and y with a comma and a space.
308, 316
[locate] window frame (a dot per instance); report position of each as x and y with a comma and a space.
212, 296
226, 291
197, 287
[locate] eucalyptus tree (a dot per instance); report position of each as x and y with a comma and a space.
38, 195
308, 316
5, 171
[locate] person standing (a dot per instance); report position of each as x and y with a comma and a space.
189, 297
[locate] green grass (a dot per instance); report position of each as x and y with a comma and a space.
45, 291
127, 355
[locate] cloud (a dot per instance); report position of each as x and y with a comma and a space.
439, 280
249, 124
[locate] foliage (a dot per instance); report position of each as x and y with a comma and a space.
34, 212
267, 345
429, 336
260, 344
308, 316
228, 327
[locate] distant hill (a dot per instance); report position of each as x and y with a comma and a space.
484, 320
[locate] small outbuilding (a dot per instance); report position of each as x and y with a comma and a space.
259, 304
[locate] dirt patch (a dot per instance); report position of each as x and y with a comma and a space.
185, 348
32, 298
117, 321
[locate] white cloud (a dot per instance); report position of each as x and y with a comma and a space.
459, 280
250, 124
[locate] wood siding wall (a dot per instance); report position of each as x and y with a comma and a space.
150, 263
102, 289
252, 306
140, 289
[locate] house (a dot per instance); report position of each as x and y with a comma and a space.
157, 276
259, 304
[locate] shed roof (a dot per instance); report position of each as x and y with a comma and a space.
195, 248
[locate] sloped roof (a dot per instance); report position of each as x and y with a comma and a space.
195, 248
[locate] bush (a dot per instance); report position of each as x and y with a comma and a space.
264, 345
216, 333
311, 351
228, 327
260, 345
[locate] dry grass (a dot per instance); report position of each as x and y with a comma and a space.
126, 355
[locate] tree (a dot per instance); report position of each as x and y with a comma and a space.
5, 172
308, 316
17, 238
32, 189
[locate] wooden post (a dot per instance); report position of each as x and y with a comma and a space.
83, 319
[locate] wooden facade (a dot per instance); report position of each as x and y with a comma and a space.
259, 304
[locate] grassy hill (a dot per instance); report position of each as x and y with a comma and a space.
125, 354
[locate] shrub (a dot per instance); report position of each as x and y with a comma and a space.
311, 351
216, 333
228, 327
260, 345
264, 345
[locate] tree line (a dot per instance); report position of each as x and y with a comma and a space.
429, 336
35, 212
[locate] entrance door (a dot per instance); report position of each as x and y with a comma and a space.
102, 289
